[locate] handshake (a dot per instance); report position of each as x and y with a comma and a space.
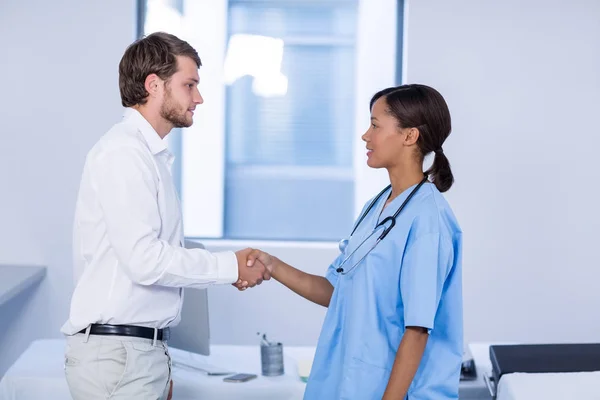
254, 266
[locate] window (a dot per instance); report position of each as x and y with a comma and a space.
289, 105
275, 151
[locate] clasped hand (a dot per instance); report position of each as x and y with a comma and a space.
255, 266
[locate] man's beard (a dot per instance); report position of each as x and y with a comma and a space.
169, 111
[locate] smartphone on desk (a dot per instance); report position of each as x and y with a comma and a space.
239, 378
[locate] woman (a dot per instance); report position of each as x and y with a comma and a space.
393, 328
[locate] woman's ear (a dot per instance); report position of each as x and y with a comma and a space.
411, 137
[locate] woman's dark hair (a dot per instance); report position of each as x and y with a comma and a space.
424, 108
153, 54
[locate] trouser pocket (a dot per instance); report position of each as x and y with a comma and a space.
96, 369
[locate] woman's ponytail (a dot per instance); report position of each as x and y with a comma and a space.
440, 171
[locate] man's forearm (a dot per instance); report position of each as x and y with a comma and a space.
407, 362
312, 287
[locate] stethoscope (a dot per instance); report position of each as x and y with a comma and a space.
387, 224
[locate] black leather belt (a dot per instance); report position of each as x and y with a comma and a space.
128, 330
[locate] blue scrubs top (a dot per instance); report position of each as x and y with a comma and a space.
413, 277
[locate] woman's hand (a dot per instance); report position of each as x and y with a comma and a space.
263, 258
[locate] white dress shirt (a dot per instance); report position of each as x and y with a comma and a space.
129, 261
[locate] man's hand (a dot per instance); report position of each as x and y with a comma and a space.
254, 261
249, 276
263, 258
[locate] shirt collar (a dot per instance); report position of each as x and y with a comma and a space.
153, 140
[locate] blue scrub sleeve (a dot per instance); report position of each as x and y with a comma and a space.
423, 273
331, 275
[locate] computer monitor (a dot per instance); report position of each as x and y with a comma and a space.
192, 333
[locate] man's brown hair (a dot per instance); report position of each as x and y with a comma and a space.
154, 54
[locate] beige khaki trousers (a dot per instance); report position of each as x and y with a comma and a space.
117, 367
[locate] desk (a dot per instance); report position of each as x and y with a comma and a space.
15, 279
39, 371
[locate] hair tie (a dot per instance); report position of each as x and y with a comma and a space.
439, 151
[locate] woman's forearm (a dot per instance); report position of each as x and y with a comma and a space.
408, 358
312, 287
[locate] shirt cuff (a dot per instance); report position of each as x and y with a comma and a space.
227, 267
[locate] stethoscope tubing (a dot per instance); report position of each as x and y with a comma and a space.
386, 230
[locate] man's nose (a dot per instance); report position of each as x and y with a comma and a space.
198, 98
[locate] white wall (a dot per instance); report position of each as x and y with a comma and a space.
522, 81
59, 94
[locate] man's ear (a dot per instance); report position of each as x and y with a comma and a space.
412, 135
152, 84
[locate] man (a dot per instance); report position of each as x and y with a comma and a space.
130, 265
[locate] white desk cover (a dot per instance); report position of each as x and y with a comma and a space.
550, 386
39, 374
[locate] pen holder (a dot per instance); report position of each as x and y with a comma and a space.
271, 357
